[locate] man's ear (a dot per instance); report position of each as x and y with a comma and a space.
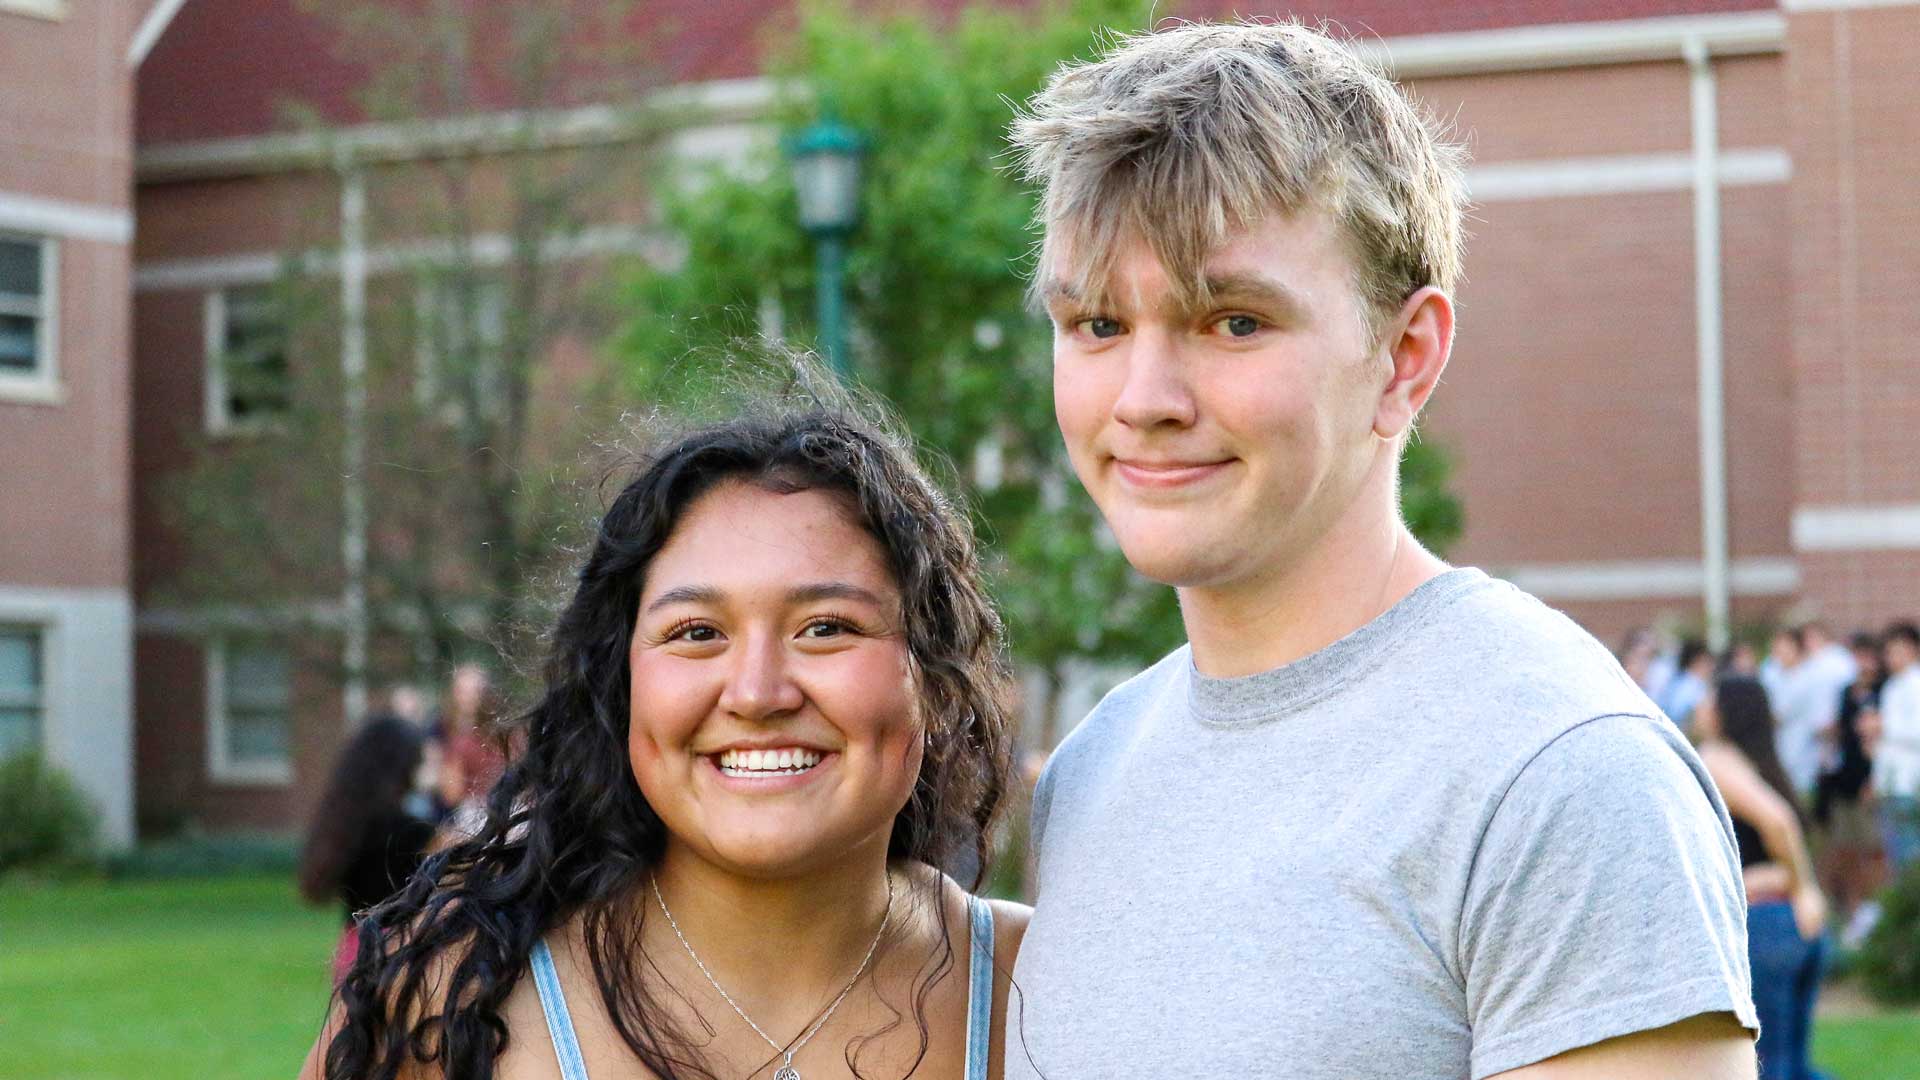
1417, 343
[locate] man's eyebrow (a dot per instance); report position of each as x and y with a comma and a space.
799, 594
1050, 289
1256, 289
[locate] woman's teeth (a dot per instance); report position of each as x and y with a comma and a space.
764, 762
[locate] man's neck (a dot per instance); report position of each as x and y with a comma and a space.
1358, 569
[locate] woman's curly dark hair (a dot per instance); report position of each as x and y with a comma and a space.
568, 831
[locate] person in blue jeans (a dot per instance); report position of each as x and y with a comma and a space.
1786, 912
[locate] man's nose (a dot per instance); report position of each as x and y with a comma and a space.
1156, 392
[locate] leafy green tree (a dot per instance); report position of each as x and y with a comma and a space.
937, 296
481, 214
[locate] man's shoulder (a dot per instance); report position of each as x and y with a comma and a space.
1127, 705
1521, 651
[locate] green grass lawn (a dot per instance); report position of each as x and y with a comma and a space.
205, 979
226, 978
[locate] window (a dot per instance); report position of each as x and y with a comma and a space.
22, 689
249, 382
27, 278
249, 712
460, 328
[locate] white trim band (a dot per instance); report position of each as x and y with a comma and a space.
1649, 579
716, 102
58, 217
1887, 527
1621, 174
1842, 5
488, 249
1533, 48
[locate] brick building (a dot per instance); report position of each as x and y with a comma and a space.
1678, 388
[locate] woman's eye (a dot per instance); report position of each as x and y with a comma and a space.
1100, 327
1239, 326
824, 628
696, 633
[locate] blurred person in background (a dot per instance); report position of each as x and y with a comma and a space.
363, 844
1692, 679
471, 754
1804, 703
1849, 857
1741, 659
1786, 912
1637, 653
1894, 743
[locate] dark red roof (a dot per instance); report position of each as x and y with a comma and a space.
226, 68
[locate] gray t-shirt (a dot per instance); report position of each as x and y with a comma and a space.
1456, 842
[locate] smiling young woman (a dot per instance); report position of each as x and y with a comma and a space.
775, 708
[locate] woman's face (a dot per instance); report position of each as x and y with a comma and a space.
774, 720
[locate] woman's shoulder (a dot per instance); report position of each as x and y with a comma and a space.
1010, 920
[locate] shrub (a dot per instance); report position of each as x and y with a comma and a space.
1889, 962
193, 856
44, 818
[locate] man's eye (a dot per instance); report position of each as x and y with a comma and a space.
1100, 327
1239, 326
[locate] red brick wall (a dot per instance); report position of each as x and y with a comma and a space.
1855, 217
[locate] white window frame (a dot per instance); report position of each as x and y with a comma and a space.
43, 634
42, 385
214, 323
220, 767
53, 10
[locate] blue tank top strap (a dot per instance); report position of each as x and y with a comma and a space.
559, 1022
979, 989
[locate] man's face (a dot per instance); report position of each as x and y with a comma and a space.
1901, 653
1221, 443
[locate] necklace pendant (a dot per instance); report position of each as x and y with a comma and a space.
786, 1072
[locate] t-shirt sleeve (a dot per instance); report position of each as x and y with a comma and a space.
1605, 898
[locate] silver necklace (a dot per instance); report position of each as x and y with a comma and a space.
786, 1071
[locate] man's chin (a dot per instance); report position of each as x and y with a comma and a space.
1183, 565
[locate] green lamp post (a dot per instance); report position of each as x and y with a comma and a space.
826, 177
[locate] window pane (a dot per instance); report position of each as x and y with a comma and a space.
255, 738
19, 343
19, 730
255, 356
19, 664
257, 678
20, 267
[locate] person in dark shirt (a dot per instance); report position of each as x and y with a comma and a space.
363, 845
1850, 855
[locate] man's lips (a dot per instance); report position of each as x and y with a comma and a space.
1166, 474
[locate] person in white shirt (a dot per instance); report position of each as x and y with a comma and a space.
1805, 700
1896, 749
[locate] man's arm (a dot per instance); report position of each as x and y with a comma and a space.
1709, 1047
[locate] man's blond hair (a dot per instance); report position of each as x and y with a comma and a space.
1188, 135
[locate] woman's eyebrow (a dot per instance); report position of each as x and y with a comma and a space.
685, 594
832, 590
799, 594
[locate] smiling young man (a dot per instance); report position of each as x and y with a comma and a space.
1381, 817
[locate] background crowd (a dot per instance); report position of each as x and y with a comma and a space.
1845, 719
411, 780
